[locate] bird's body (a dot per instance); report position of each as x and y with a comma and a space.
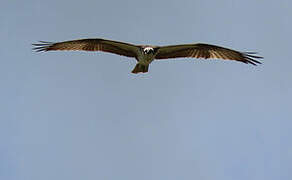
144, 57
145, 54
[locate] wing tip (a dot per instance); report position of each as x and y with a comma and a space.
252, 58
42, 46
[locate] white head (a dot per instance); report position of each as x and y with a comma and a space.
148, 50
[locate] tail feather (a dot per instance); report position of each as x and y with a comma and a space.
140, 68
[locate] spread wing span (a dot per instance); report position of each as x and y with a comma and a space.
206, 51
109, 46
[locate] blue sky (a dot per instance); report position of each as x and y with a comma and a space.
83, 115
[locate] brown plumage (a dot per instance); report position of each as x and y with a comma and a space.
146, 54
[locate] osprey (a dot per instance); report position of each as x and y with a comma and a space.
145, 54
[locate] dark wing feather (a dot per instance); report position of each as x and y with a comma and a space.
115, 47
206, 51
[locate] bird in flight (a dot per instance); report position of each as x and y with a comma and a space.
145, 54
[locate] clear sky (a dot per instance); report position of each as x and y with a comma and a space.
83, 115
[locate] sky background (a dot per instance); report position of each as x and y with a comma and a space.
83, 115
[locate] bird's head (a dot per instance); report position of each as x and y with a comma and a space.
148, 50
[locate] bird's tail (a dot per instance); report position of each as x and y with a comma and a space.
140, 68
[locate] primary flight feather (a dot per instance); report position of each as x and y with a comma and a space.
145, 54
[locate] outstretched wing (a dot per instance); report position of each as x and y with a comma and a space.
206, 51
104, 45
